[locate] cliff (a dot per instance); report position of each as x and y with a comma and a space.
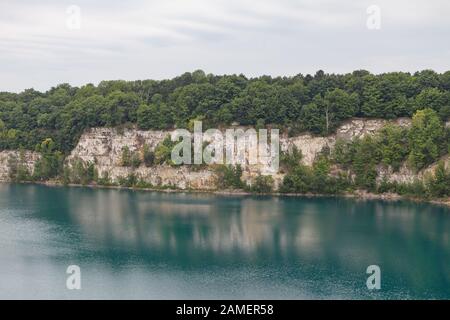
29, 159
103, 147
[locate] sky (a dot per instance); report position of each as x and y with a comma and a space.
44, 43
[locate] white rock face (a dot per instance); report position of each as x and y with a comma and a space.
406, 175
30, 159
103, 147
359, 127
311, 145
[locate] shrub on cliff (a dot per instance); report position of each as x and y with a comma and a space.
148, 155
17, 168
50, 164
426, 138
163, 151
290, 159
439, 184
262, 184
229, 176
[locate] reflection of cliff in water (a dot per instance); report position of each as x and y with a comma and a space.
290, 242
249, 228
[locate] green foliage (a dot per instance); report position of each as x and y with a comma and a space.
125, 159
439, 185
80, 172
290, 159
338, 105
343, 153
422, 144
298, 180
229, 176
148, 155
426, 138
435, 185
163, 151
315, 179
17, 168
262, 184
141, 183
130, 159
156, 115
135, 160
361, 156
50, 165
393, 143
365, 157
104, 179
316, 103
51, 122
129, 181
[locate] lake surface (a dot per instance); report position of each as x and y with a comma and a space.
136, 244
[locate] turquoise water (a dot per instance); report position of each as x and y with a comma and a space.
136, 244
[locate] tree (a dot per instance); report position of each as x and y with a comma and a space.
156, 115
50, 165
148, 155
366, 156
125, 160
135, 160
339, 105
262, 184
371, 97
299, 180
291, 158
163, 151
425, 138
311, 119
439, 184
431, 98
229, 176
392, 141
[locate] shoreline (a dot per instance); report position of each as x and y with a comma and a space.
358, 194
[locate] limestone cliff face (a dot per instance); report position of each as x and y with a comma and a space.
354, 128
29, 159
103, 147
406, 175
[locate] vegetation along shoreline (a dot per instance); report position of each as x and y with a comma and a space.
340, 134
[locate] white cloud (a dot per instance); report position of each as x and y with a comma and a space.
163, 38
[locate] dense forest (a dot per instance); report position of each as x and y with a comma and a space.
51, 123
316, 103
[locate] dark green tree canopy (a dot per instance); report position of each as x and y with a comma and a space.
316, 103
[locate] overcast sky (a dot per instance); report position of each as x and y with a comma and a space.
157, 39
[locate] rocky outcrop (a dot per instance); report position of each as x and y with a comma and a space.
27, 158
407, 175
311, 145
103, 147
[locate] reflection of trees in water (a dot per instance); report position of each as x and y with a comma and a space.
290, 228
301, 238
